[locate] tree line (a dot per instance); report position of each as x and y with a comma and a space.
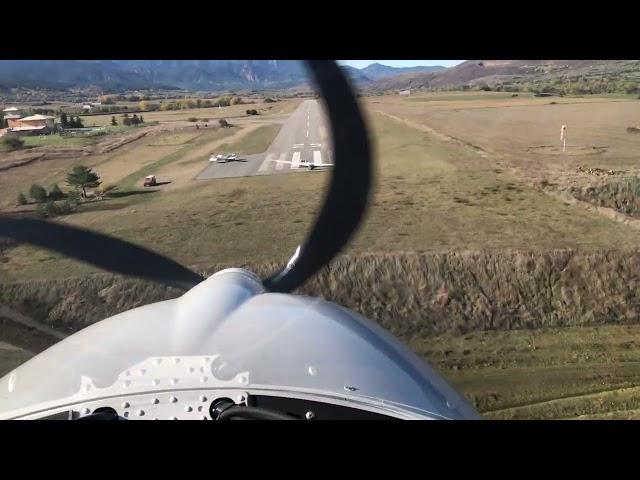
128, 121
562, 86
78, 179
70, 121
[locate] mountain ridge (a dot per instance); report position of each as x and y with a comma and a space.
204, 75
499, 72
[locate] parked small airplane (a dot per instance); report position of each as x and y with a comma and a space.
307, 165
221, 158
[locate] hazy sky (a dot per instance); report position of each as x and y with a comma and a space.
400, 63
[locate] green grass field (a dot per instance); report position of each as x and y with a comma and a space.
556, 373
58, 141
211, 113
257, 142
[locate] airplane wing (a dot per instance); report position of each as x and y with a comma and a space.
323, 164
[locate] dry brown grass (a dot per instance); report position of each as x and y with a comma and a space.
513, 129
409, 294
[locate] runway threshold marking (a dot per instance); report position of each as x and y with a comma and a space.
295, 160
266, 163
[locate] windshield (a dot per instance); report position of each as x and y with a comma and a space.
499, 244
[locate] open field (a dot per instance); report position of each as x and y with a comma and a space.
455, 182
431, 196
588, 372
524, 133
211, 113
255, 143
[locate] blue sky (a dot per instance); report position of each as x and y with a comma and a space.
400, 63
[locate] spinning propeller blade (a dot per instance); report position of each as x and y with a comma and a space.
343, 208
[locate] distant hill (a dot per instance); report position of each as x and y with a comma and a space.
376, 71
159, 74
356, 74
512, 72
204, 75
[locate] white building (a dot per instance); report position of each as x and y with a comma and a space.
405, 93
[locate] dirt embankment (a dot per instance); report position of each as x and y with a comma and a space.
409, 294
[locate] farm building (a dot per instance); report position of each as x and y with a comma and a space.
405, 92
33, 125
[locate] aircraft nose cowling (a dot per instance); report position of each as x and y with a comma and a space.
237, 337
301, 344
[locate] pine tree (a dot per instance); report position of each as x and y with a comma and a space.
55, 193
83, 177
38, 193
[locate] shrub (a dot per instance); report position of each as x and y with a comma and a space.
223, 123
12, 142
252, 112
38, 193
49, 209
192, 119
66, 207
74, 197
22, 199
222, 102
204, 119
55, 193
269, 100
633, 130
53, 209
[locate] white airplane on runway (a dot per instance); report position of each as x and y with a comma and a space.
220, 158
307, 165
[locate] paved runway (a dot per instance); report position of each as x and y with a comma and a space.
304, 137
